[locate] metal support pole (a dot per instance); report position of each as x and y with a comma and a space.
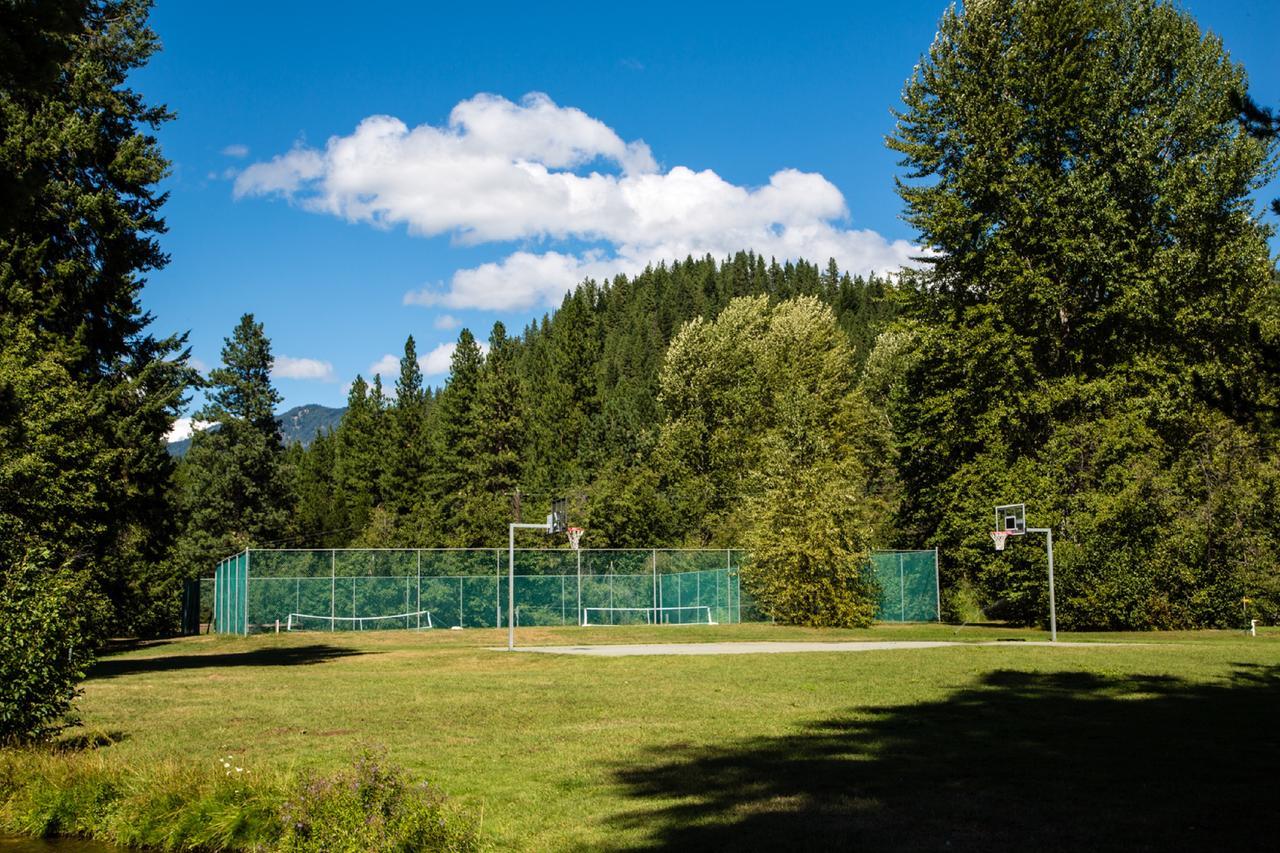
1053, 608
655, 587
511, 575
579, 553
937, 586
417, 606
333, 587
902, 590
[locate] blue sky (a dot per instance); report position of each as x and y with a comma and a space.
763, 123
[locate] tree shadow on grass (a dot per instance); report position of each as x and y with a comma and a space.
286, 656
1018, 761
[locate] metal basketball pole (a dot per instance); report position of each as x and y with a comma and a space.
1053, 609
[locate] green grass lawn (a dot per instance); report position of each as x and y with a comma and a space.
1170, 743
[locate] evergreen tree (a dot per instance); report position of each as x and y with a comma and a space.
492, 448
1093, 309
86, 393
453, 433
356, 466
404, 480
234, 487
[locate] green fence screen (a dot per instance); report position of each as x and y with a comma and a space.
908, 582
369, 589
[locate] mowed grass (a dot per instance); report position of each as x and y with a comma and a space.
1172, 742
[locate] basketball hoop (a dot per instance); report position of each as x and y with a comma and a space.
999, 537
575, 536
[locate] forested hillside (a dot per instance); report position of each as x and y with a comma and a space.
569, 407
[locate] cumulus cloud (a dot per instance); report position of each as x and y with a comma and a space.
387, 366
537, 172
183, 428
286, 367
436, 362
445, 321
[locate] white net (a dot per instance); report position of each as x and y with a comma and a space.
689, 615
418, 619
575, 536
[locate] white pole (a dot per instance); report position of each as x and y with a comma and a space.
1053, 609
418, 601
511, 587
333, 587
579, 553
511, 575
655, 586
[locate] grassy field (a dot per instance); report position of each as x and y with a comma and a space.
1172, 742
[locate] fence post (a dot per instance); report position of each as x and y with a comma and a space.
417, 607
654, 621
579, 553
902, 591
497, 587
244, 617
937, 586
333, 586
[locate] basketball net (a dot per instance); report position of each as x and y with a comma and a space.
999, 537
575, 535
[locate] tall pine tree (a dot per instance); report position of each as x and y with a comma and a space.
234, 488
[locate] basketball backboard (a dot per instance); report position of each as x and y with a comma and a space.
1011, 519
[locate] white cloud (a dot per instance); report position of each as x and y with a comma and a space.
438, 361
500, 171
198, 365
237, 150
286, 367
183, 427
444, 321
387, 366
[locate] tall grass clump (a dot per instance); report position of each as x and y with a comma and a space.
368, 806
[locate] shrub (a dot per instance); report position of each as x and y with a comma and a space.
367, 807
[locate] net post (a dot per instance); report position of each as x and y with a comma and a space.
937, 585
902, 590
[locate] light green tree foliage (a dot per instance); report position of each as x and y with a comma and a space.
235, 491
768, 437
1096, 312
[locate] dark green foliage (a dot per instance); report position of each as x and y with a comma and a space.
453, 435
1100, 313
491, 450
404, 479
86, 393
234, 487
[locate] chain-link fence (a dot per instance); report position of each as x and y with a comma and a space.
366, 589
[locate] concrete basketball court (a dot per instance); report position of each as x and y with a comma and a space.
781, 647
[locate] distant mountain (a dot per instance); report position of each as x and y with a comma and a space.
299, 425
